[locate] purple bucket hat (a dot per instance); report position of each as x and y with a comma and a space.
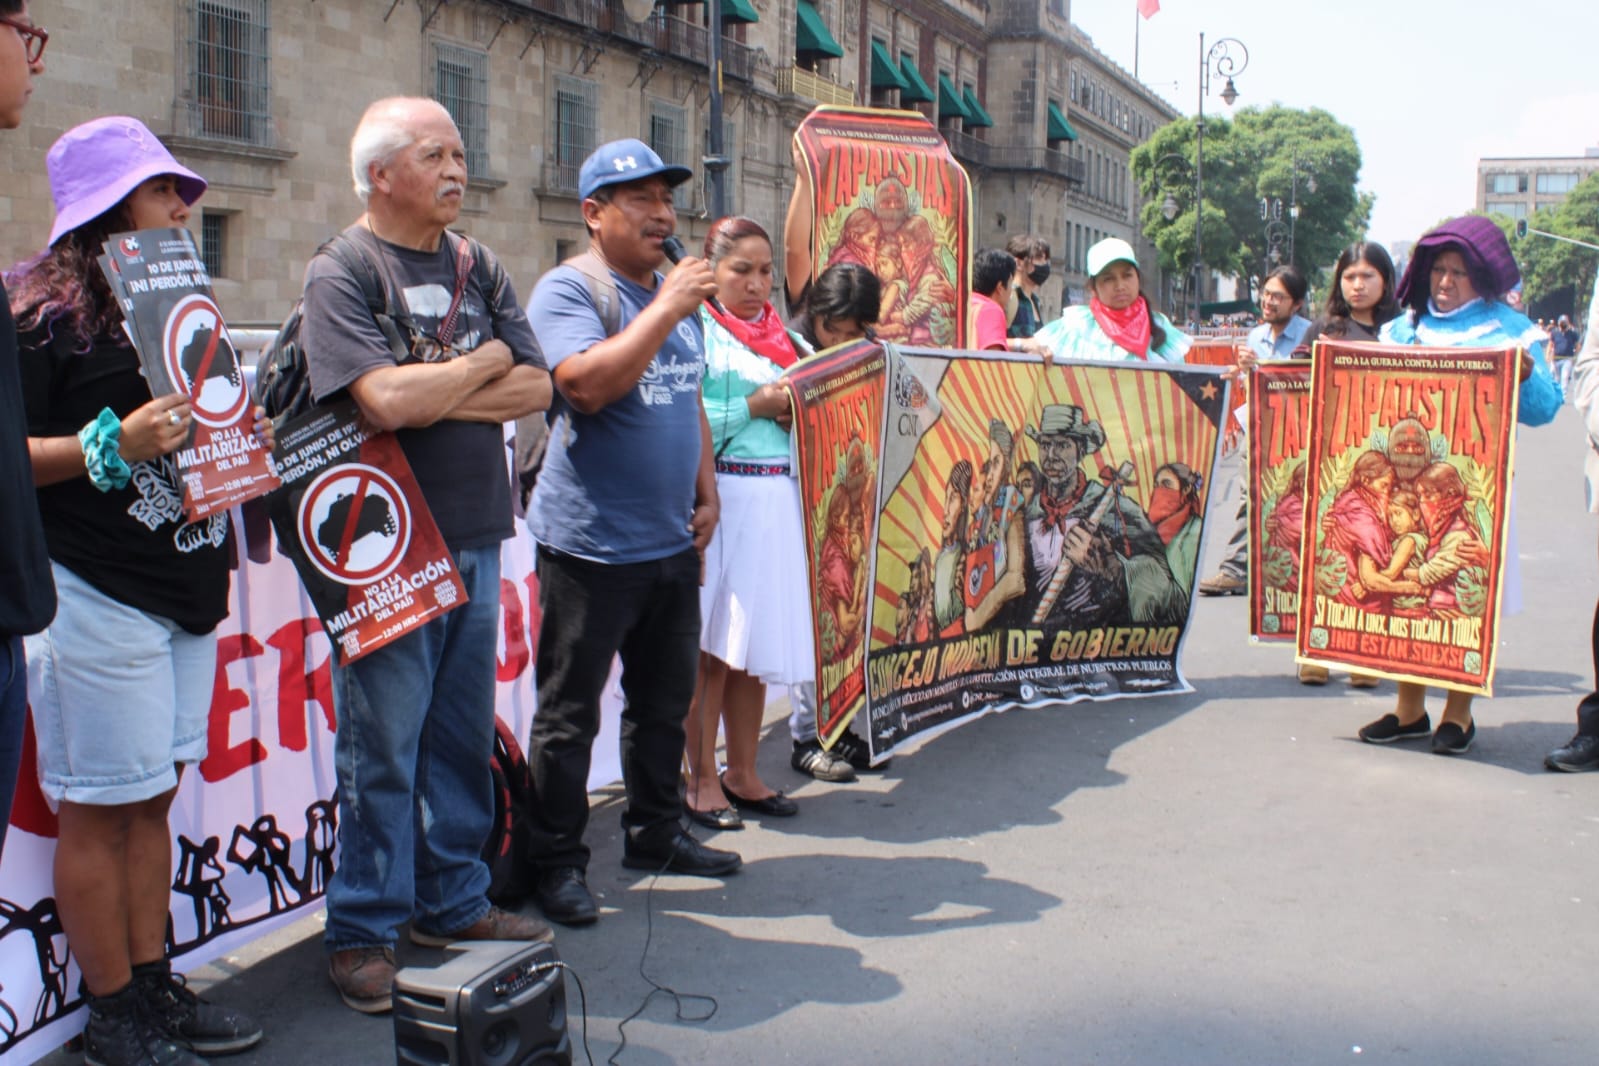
94, 166
1487, 253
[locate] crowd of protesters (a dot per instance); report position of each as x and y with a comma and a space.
690, 570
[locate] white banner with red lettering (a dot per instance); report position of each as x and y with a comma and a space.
253, 828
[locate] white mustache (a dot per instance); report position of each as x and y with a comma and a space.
453, 186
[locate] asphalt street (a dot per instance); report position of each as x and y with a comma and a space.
1227, 877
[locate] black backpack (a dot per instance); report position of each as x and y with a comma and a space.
282, 378
507, 851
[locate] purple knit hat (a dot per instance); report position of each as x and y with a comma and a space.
94, 166
1493, 269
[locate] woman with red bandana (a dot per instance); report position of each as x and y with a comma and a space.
1357, 526
1176, 511
1120, 321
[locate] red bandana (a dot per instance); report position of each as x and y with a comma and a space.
1127, 328
765, 336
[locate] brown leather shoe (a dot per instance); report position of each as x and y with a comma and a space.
1312, 675
1224, 584
364, 978
495, 925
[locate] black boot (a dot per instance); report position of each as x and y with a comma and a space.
122, 1031
188, 1020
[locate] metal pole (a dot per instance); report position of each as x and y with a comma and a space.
1293, 206
1199, 185
716, 148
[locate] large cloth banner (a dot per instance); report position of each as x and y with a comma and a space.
889, 196
1034, 543
1409, 470
254, 823
1279, 425
1223, 351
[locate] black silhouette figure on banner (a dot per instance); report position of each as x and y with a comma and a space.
375, 517
43, 922
200, 878
268, 855
321, 834
223, 362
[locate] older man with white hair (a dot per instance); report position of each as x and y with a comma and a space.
416, 717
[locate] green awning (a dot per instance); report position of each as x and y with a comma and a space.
949, 101
813, 37
916, 90
738, 11
978, 118
1059, 128
885, 72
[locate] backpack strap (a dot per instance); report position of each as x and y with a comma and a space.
602, 289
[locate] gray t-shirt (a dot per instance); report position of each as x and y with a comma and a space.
460, 466
618, 485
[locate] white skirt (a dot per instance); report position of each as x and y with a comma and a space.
755, 608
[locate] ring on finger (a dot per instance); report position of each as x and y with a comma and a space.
172, 416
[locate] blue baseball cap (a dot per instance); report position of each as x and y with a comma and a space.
624, 161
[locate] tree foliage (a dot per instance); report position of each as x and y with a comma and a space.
1263, 153
1556, 277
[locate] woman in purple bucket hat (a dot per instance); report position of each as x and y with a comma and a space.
1453, 293
126, 668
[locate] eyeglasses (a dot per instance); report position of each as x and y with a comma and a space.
33, 38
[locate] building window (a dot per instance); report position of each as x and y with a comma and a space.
1557, 184
1515, 211
214, 243
461, 84
1507, 183
668, 135
229, 91
576, 119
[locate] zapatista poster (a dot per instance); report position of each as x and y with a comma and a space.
1409, 469
889, 196
1279, 426
1038, 534
175, 324
352, 518
838, 426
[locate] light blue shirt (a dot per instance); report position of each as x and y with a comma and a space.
1265, 348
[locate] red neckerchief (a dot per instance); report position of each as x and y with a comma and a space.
1174, 508
1128, 328
1057, 511
765, 336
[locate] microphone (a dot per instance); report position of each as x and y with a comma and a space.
674, 251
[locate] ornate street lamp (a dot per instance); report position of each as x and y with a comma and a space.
1225, 58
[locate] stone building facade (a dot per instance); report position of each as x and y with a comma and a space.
261, 96
1519, 187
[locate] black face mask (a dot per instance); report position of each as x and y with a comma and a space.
1039, 274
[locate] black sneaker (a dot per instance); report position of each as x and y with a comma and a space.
189, 1020
1580, 754
810, 757
854, 750
123, 1031
1387, 729
1452, 740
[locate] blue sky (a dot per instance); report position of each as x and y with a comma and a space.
1428, 86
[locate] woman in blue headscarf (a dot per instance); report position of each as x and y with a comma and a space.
1453, 291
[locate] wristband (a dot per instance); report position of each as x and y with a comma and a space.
101, 441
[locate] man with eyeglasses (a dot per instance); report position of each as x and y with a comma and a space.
27, 593
416, 717
1281, 329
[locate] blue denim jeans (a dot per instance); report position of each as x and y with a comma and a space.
415, 733
13, 712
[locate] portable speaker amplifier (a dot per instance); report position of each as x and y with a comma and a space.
491, 1003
